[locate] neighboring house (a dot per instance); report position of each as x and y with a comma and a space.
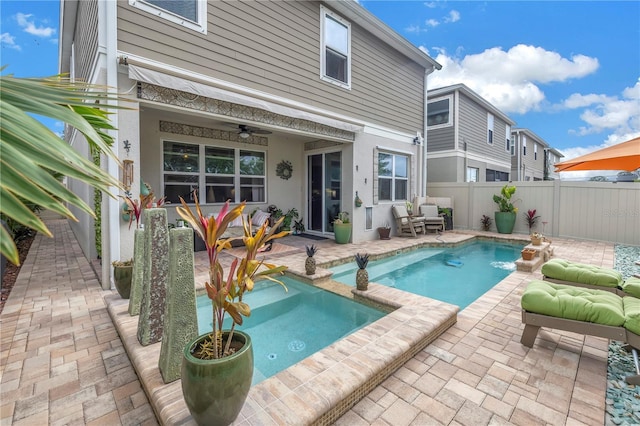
222, 97
468, 139
553, 157
529, 160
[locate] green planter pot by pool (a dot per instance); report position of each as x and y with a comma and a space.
342, 232
215, 390
122, 278
505, 222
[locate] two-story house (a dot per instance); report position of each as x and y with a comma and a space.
294, 104
531, 156
468, 139
553, 156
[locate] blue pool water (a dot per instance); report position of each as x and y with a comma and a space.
454, 275
286, 327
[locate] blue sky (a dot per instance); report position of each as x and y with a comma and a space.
569, 71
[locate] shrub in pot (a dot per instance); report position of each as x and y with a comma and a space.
342, 228
505, 218
217, 367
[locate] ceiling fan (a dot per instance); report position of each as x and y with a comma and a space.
245, 131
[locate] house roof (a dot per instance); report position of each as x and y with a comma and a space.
556, 152
532, 135
355, 13
464, 89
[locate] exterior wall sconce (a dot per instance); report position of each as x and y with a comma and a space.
418, 139
127, 174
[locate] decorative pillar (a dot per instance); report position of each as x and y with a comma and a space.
139, 256
156, 275
180, 314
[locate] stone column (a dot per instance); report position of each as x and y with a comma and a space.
139, 257
180, 316
156, 275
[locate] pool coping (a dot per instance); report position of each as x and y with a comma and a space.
314, 391
323, 386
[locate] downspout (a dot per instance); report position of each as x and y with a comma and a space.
110, 29
519, 152
423, 184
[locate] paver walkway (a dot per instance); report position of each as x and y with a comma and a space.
61, 360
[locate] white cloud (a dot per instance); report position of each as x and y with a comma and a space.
29, 26
7, 40
430, 4
605, 113
454, 16
431, 23
510, 79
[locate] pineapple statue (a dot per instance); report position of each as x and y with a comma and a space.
310, 263
362, 276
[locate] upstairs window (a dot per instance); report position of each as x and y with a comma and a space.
524, 145
336, 49
188, 13
535, 152
393, 177
490, 129
507, 132
438, 113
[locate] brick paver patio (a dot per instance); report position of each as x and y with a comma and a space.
62, 362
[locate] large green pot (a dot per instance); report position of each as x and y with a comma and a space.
122, 278
215, 390
505, 222
342, 232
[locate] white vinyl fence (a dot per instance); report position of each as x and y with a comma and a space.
602, 211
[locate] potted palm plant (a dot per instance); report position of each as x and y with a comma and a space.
342, 228
505, 218
217, 367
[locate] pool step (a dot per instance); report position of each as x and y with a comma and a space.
543, 250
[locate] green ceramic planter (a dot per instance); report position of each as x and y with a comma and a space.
122, 278
342, 232
505, 222
215, 390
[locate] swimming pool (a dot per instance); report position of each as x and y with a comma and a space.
457, 275
286, 327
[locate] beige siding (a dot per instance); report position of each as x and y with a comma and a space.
86, 38
473, 130
275, 47
441, 139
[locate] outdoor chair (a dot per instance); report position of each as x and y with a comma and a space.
432, 219
408, 226
582, 310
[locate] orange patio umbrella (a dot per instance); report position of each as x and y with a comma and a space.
623, 156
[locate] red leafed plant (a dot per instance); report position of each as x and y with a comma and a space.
226, 293
531, 218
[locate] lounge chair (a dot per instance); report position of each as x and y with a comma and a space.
584, 311
432, 219
408, 226
562, 271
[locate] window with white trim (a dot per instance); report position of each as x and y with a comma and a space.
524, 145
393, 177
217, 173
507, 132
535, 151
472, 174
439, 113
191, 14
490, 128
335, 52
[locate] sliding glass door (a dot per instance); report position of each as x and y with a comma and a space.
324, 190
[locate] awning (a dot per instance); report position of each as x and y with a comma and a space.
182, 84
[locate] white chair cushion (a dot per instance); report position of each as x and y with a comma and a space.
259, 217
